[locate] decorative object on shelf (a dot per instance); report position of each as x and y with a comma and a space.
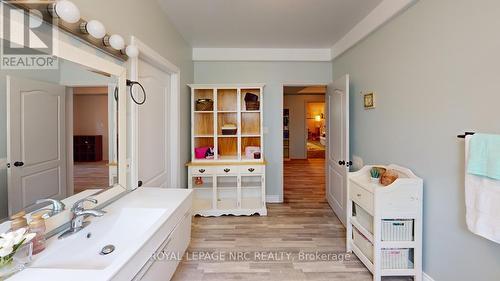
256, 155
210, 153
369, 101
374, 174
201, 152
15, 251
252, 101
388, 177
250, 152
204, 105
229, 129
198, 181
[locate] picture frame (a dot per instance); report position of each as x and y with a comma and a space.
369, 100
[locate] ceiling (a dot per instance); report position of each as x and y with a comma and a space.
265, 23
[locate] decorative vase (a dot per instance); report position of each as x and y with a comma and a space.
18, 262
375, 180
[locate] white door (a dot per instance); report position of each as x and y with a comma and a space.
337, 149
153, 138
36, 145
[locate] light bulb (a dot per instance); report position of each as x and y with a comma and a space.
116, 42
132, 51
66, 10
95, 28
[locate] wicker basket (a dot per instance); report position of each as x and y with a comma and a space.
204, 105
252, 105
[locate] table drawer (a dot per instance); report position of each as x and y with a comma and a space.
222, 170
362, 197
200, 170
252, 169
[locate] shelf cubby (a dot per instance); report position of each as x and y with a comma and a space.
203, 124
250, 91
227, 99
227, 148
226, 118
249, 141
250, 123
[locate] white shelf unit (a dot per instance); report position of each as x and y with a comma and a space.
399, 205
232, 184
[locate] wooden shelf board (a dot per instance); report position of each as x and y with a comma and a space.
204, 136
203, 111
251, 136
227, 136
211, 162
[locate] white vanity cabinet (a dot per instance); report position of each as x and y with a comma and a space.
384, 226
228, 188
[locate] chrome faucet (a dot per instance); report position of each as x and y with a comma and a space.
57, 206
79, 215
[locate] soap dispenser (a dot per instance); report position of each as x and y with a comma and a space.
37, 226
18, 221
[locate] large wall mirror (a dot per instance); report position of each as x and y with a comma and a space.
60, 135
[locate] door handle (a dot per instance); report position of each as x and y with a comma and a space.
341, 163
251, 170
227, 170
349, 163
201, 170
18, 164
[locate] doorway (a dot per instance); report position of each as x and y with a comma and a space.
303, 152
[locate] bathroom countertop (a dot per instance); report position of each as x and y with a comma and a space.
168, 200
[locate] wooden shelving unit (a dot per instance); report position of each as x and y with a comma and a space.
231, 182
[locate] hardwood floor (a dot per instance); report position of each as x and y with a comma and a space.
90, 175
281, 246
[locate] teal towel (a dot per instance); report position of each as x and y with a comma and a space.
484, 156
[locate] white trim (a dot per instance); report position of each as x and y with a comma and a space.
376, 18
273, 199
152, 57
3, 163
260, 54
427, 277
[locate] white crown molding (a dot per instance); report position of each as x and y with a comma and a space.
260, 54
427, 277
385, 11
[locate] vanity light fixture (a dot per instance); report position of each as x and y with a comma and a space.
115, 41
94, 27
65, 10
132, 51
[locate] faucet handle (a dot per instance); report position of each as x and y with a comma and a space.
57, 206
78, 205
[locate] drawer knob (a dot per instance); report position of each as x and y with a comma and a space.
227, 170
251, 170
201, 170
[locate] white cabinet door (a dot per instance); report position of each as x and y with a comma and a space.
36, 142
153, 138
338, 146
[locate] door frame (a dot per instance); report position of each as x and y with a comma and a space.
150, 56
283, 85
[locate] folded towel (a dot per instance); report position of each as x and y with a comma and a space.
484, 156
482, 201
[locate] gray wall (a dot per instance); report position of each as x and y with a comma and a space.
146, 20
274, 75
298, 125
435, 71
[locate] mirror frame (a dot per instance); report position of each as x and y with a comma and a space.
76, 54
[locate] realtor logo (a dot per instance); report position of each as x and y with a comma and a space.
28, 42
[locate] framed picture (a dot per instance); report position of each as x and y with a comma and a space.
369, 101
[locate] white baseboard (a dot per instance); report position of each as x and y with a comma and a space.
273, 199
427, 277
3, 163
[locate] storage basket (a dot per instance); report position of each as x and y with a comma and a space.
364, 219
364, 245
204, 105
229, 132
252, 101
396, 259
397, 230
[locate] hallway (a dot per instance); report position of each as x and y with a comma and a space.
292, 231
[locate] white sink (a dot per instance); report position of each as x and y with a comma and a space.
82, 250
